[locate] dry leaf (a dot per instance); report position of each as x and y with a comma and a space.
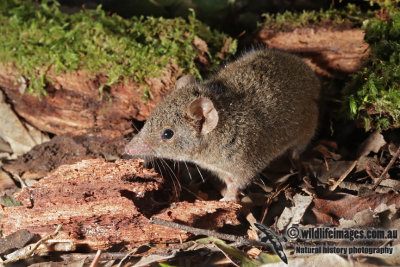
346, 206
294, 214
372, 144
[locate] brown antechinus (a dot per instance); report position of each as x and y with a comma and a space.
235, 123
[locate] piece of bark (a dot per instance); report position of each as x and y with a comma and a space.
103, 205
16, 240
64, 149
332, 52
19, 137
73, 103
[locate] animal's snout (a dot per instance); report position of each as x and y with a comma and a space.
137, 149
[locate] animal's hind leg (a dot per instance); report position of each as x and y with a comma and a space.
297, 148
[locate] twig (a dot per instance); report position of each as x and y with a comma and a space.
96, 259
343, 176
23, 183
37, 244
126, 256
383, 175
239, 240
91, 256
227, 256
270, 198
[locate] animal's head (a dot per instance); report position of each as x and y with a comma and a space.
177, 126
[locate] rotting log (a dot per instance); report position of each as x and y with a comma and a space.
332, 52
64, 149
74, 105
103, 205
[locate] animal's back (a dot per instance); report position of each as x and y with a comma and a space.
268, 103
270, 74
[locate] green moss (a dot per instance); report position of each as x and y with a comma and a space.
38, 37
288, 20
373, 94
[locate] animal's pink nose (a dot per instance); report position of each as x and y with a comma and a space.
137, 149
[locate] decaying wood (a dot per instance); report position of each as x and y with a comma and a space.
103, 205
64, 149
73, 103
331, 52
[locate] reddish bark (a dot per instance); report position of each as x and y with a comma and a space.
73, 103
103, 205
331, 52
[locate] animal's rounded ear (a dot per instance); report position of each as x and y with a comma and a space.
183, 81
203, 114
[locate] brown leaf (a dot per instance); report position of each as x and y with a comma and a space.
330, 211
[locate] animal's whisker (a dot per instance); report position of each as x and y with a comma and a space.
152, 163
134, 126
190, 175
177, 180
202, 178
262, 181
172, 179
159, 169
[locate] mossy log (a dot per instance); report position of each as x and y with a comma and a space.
73, 103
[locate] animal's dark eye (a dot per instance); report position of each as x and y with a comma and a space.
167, 134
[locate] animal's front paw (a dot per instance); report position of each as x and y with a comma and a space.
230, 197
231, 192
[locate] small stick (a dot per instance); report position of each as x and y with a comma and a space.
269, 200
96, 259
239, 240
37, 244
343, 176
127, 256
226, 256
23, 184
383, 175
91, 256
